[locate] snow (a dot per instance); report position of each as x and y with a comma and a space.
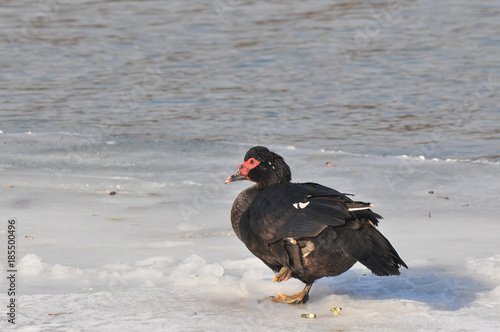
160, 255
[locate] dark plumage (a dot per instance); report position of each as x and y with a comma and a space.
305, 230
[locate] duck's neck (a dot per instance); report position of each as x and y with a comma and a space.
279, 175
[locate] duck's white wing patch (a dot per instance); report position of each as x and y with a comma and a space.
303, 205
361, 208
300, 205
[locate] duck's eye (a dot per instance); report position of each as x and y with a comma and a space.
250, 163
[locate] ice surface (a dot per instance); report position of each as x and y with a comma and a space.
160, 255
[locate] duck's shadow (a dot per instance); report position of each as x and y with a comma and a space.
435, 287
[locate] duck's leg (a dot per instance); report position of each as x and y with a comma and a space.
298, 298
283, 275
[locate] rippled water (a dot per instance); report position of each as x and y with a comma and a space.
384, 77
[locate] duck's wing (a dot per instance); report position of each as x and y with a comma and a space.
294, 210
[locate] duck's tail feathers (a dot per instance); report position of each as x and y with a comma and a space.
371, 249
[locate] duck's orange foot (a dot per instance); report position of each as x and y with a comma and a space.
283, 275
298, 298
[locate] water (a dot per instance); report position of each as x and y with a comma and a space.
370, 77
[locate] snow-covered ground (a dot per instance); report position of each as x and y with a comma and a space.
160, 254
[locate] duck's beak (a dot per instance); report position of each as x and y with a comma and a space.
236, 177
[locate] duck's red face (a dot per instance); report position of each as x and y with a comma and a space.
244, 169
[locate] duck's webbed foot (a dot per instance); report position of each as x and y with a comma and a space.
283, 275
298, 298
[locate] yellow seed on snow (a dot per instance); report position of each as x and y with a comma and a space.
336, 310
312, 316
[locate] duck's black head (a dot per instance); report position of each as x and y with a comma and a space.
263, 167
